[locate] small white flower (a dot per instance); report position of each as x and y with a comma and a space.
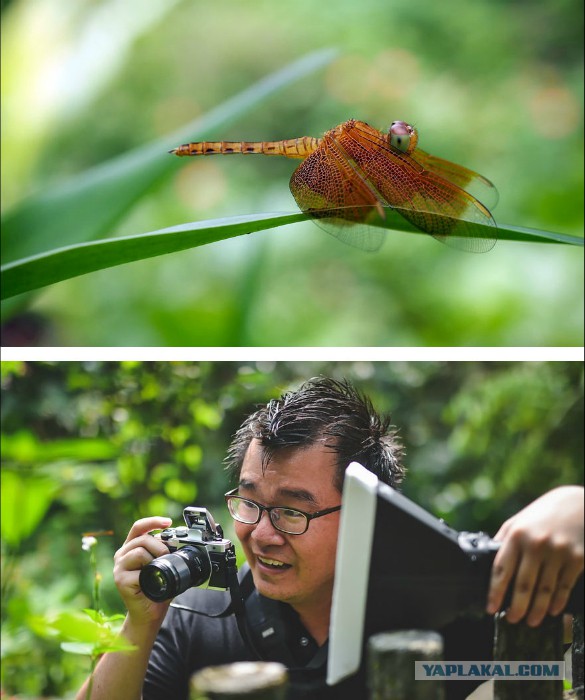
87, 543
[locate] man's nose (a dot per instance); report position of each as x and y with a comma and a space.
264, 531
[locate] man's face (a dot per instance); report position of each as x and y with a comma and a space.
296, 569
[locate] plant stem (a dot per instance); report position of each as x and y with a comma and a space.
95, 604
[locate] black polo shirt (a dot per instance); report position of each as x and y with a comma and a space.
188, 642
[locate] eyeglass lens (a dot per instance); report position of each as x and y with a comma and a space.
285, 519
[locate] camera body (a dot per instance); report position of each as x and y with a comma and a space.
478, 545
479, 550
198, 554
201, 532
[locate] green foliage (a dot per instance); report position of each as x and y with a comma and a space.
25, 501
92, 446
87, 633
87, 173
521, 416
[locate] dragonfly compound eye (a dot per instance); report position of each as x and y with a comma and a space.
401, 135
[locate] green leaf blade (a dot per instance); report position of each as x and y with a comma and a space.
71, 261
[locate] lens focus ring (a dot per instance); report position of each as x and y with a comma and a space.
172, 574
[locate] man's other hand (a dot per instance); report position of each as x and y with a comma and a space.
542, 552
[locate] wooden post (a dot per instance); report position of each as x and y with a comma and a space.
390, 663
253, 680
577, 656
519, 642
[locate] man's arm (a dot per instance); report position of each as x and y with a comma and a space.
542, 549
120, 675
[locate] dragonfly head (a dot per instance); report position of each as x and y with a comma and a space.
402, 136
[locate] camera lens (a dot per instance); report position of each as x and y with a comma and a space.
174, 573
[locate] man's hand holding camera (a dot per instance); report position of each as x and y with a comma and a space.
138, 550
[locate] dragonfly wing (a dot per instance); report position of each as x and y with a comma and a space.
451, 215
429, 200
477, 185
325, 187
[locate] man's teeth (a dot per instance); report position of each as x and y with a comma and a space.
271, 562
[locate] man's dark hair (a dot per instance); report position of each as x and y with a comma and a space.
329, 412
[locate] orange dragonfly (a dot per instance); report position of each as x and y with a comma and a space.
354, 173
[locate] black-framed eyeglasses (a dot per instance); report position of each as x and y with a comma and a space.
288, 520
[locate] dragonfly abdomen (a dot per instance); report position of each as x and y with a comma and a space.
290, 148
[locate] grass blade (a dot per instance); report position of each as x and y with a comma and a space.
64, 263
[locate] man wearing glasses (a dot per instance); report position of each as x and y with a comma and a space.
288, 459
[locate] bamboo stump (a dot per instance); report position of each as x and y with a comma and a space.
577, 656
253, 680
519, 642
391, 657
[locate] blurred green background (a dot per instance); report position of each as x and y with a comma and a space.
494, 85
95, 445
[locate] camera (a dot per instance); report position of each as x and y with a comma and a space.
433, 573
400, 567
198, 555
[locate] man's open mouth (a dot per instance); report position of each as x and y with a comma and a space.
273, 563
